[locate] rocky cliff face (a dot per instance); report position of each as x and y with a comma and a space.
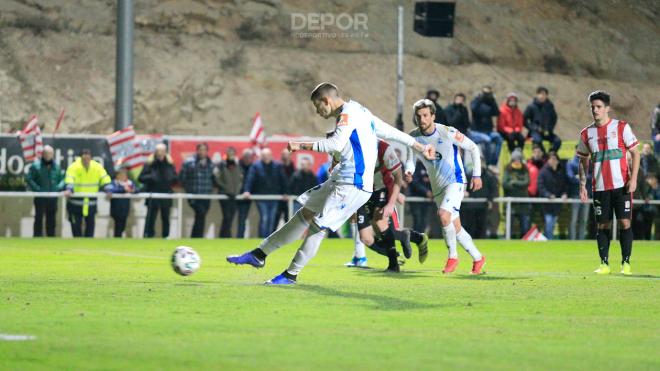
205, 67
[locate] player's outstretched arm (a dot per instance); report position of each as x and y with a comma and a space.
389, 133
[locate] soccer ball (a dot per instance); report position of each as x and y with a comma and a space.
185, 261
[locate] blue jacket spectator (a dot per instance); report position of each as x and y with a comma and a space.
266, 177
120, 207
540, 119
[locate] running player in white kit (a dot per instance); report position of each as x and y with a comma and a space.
448, 179
349, 186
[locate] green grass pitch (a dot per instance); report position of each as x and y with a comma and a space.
116, 304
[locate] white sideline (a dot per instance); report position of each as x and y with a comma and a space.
13, 337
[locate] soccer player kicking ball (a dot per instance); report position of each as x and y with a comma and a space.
349, 186
606, 141
448, 179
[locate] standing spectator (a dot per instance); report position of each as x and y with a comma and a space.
288, 168
579, 210
247, 157
483, 132
510, 123
534, 166
474, 215
552, 184
515, 184
420, 187
158, 176
457, 114
197, 178
45, 175
655, 129
120, 207
654, 194
642, 215
265, 178
302, 180
433, 95
84, 175
540, 119
648, 162
229, 178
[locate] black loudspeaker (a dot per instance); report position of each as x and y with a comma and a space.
434, 19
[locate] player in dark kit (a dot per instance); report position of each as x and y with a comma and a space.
606, 142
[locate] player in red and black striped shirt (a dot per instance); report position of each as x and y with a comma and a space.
606, 142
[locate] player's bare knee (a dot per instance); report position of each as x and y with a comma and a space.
445, 217
607, 225
366, 238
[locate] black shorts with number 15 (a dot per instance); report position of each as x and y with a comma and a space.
617, 201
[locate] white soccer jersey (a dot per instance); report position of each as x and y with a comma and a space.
447, 168
607, 146
356, 140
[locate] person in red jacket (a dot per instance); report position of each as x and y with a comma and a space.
510, 123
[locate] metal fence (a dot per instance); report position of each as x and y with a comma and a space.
178, 198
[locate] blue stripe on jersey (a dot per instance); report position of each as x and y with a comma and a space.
457, 166
359, 159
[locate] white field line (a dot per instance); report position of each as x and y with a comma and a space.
13, 337
114, 253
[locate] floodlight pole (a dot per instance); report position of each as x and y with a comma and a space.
124, 66
399, 72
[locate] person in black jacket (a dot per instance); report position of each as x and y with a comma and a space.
552, 184
158, 176
45, 175
420, 187
288, 168
265, 178
302, 180
540, 119
457, 114
482, 131
433, 95
247, 158
474, 215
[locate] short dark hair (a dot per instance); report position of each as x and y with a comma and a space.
553, 154
85, 151
433, 91
600, 95
202, 144
323, 89
459, 95
542, 89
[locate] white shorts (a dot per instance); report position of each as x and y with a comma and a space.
450, 198
333, 203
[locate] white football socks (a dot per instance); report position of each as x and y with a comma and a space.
290, 231
450, 239
307, 250
359, 245
466, 241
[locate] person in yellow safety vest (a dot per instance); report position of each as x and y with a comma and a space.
84, 175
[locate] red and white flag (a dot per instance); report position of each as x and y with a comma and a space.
534, 234
31, 140
125, 150
257, 135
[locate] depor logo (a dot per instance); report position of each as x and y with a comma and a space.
329, 25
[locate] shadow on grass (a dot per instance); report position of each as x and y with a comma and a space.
395, 275
381, 302
485, 277
647, 276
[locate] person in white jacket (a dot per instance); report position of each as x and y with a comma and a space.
448, 180
349, 186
